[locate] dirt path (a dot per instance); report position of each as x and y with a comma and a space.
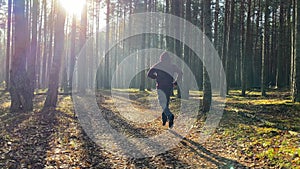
55, 139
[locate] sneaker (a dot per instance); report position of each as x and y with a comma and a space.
164, 119
171, 121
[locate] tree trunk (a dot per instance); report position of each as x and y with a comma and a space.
296, 91
248, 52
281, 48
187, 54
230, 51
293, 45
33, 51
97, 50
72, 52
207, 93
177, 4
242, 50
45, 47
216, 26
83, 59
225, 48
21, 95
8, 44
106, 66
52, 93
50, 43
169, 40
142, 61
265, 51
38, 52
256, 50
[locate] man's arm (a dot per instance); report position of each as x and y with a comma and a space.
179, 76
179, 73
152, 73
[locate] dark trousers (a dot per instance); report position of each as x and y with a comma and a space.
164, 99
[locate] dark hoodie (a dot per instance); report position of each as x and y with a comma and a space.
164, 72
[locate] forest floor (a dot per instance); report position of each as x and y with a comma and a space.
254, 132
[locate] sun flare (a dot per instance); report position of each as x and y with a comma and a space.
73, 6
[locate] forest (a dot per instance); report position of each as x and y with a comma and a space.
74, 91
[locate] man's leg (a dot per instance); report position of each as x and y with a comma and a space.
164, 99
164, 118
170, 115
171, 121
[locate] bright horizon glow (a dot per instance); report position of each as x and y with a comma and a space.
73, 6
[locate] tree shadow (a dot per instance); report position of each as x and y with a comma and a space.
9, 145
94, 153
129, 130
29, 140
270, 115
120, 124
168, 159
220, 162
165, 160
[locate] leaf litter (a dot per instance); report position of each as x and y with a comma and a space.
53, 138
